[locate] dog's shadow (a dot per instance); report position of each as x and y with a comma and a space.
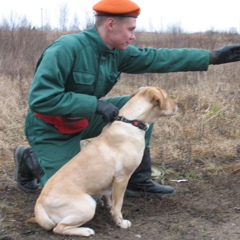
134, 209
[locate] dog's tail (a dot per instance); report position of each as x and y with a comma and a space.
32, 220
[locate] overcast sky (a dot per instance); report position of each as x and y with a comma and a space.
190, 15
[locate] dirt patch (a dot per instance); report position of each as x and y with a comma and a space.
207, 206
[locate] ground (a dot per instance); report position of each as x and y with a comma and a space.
198, 144
207, 206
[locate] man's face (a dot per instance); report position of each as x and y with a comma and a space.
121, 33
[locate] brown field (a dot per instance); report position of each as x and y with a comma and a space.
201, 144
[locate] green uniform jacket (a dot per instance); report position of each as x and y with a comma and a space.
77, 69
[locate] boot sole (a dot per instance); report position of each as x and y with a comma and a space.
130, 193
19, 186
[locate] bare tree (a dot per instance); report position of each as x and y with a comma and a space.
5, 24
89, 18
24, 23
63, 16
75, 26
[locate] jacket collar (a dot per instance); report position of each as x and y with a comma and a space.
96, 42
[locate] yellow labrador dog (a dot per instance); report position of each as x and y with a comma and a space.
103, 167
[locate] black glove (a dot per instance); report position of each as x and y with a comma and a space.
107, 110
225, 55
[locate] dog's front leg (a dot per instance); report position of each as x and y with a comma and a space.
118, 190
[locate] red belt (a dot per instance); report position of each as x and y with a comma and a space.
65, 125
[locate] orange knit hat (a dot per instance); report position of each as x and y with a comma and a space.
122, 8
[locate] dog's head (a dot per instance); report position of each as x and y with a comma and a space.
153, 103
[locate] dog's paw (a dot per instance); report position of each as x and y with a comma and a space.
78, 231
86, 232
125, 224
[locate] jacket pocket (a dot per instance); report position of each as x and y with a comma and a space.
112, 80
82, 82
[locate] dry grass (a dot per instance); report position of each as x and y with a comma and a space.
206, 127
13, 113
208, 122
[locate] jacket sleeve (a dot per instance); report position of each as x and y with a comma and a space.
47, 94
163, 60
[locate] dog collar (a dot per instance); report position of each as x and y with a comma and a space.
135, 123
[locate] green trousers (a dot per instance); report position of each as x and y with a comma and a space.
53, 149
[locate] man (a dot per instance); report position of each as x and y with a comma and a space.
72, 76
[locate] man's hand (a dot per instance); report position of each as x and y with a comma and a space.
225, 55
107, 110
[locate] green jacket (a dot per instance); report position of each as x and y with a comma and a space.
77, 69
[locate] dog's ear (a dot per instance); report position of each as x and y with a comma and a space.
136, 92
157, 97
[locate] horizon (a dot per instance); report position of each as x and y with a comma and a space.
185, 15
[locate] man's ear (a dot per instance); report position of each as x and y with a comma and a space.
110, 22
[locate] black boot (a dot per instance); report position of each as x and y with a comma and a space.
27, 169
141, 185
